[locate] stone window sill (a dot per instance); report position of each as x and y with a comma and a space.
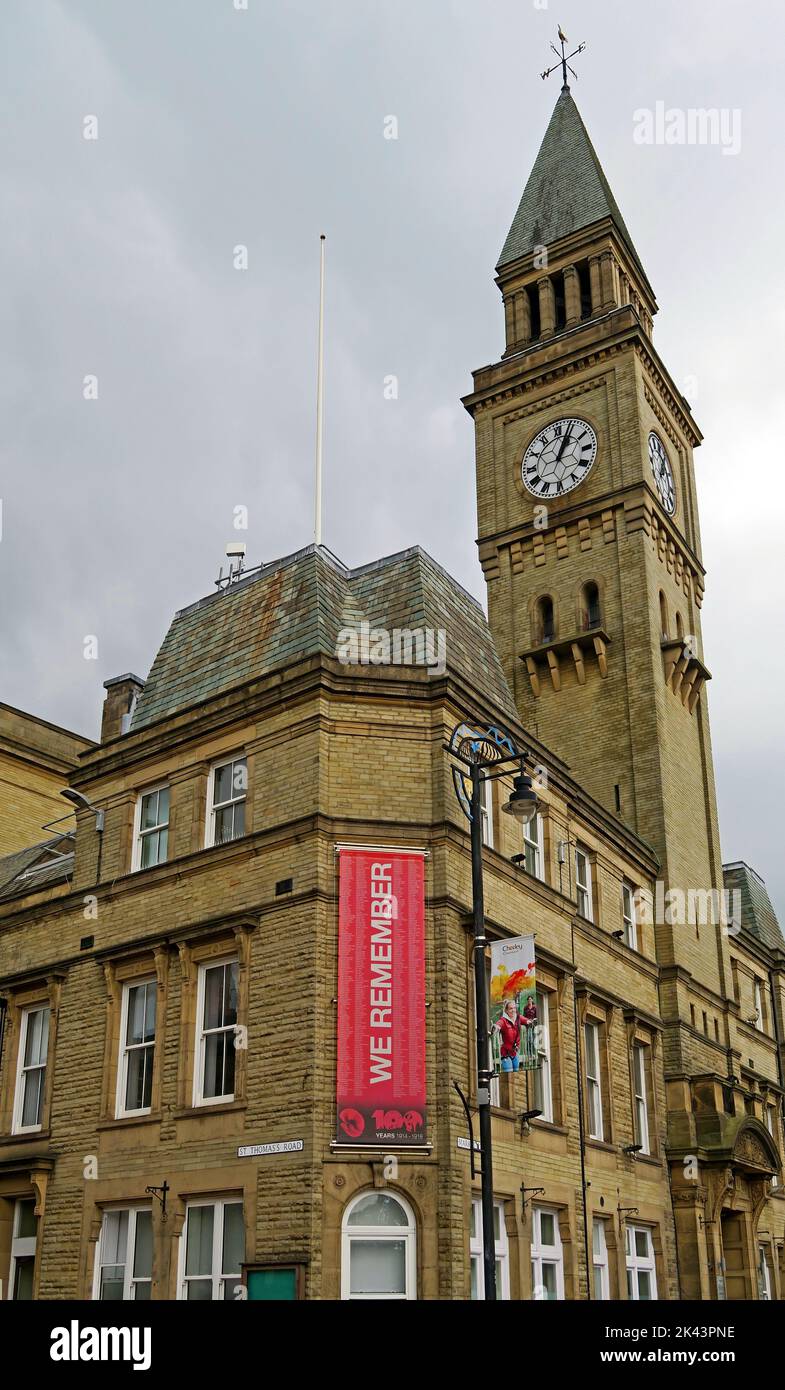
601, 1144
551, 1126
653, 1159
33, 1137
191, 1112
129, 1121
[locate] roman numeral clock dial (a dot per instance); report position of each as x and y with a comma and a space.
663, 473
559, 458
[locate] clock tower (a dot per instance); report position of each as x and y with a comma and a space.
589, 542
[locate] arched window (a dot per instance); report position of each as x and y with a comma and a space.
378, 1248
679, 626
545, 625
664, 624
590, 605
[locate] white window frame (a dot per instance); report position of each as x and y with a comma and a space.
599, 1258
594, 1115
501, 1246
406, 1233
543, 1072
640, 1102
758, 992
129, 1282
213, 806
636, 1263
583, 893
125, 1048
140, 834
201, 1034
23, 1072
533, 841
628, 916
217, 1274
22, 1247
486, 810
764, 1274
546, 1254
771, 1112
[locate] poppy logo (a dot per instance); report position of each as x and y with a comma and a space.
352, 1122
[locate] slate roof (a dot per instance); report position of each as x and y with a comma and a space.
13, 864
27, 870
296, 608
566, 191
757, 914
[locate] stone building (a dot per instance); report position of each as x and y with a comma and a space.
169, 986
36, 761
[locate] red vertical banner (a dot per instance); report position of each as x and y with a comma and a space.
381, 997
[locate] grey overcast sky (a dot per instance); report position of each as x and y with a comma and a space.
265, 126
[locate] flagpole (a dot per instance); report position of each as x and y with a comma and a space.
320, 400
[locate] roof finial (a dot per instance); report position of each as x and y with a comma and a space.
564, 60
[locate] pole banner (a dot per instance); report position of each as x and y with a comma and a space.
514, 1021
381, 997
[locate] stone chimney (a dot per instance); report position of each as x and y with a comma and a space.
122, 693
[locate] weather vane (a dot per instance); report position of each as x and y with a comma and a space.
564, 60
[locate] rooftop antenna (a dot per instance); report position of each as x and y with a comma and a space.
235, 554
320, 398
564, 60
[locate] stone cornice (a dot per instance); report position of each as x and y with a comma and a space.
773, 957
527, 543
676, 403
444, 834
588, 508
521, 374
632, 1014
719, 1002
251, 700
589, 990
38, 758
598, 238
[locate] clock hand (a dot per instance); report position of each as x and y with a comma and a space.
564, 444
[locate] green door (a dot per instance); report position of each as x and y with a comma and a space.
276, 1284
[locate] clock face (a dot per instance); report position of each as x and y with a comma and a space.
559, 458
663, 473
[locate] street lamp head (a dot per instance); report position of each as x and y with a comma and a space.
79, 800
525, 1117
523, 801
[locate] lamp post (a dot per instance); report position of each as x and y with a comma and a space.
483, 1040
486, 753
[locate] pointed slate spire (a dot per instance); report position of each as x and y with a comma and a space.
566, 191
